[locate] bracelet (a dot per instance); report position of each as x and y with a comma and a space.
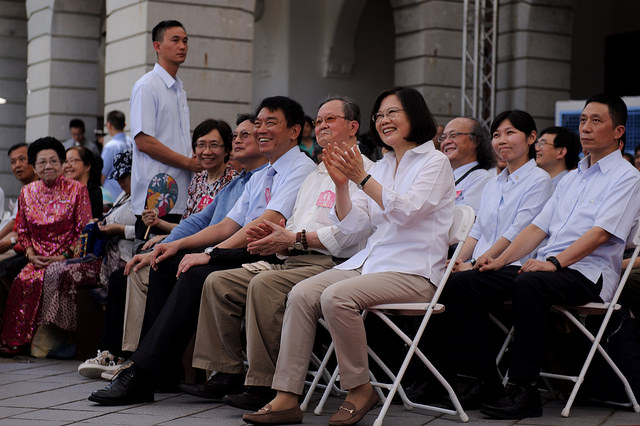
555, 262
303, 239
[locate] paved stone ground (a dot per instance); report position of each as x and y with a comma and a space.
51, 392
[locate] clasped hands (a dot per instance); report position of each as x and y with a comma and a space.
344, 163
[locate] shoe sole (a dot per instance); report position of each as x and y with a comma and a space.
113, 402
94, 371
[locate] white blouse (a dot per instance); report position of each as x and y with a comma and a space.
410, 234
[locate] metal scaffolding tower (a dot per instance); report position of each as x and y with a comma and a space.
479, 35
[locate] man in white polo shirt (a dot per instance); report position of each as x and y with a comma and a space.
160, 123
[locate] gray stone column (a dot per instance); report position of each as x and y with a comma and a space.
13, 68
428, 52
62, 66
217, 72
534, 57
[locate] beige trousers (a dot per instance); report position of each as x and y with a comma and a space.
137, 287
225, 294
339, 297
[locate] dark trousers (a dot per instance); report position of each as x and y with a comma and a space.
114, 315
169, 332
469, 297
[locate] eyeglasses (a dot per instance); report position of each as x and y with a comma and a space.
391, 113
212, 146
71, 161
242, 136
328, 119
453, 136
271, 122
541, 144
53, 162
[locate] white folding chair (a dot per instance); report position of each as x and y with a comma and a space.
462, 223
574, 314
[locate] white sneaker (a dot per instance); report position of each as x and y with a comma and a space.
104, 361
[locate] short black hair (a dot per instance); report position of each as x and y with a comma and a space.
116, 119
16, 146
617, 107
47, 142
423, 124
241, 118
212, 124
76, 123
292, 110
565, 138
522, 121
158, 31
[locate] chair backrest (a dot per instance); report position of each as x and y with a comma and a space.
463, 218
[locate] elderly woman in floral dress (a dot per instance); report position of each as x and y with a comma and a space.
52, 213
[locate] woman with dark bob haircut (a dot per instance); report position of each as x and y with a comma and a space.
423, 125
53, 211
211, 143
407, 202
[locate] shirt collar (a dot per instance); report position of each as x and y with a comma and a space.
166, 77
463, 169
251, 172
609, 162
283, 163
418, 150
515, 177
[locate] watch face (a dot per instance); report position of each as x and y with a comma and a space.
297, 245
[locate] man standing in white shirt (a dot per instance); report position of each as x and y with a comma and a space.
557, 152
160, 123
585, 223
467, 145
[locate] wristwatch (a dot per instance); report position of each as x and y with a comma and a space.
555, 262
361, 184
209, 250
301, 241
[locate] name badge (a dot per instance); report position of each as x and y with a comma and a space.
326, 199
458, 193
267, 194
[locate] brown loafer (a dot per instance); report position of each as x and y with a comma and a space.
266, 416
348, 415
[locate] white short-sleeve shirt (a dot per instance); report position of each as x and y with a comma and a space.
469, 189
509, 204
159, 109
606, 195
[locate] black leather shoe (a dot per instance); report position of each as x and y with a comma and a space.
479, 393
427, 392
252, 399
520, 402
218, 385
130, 386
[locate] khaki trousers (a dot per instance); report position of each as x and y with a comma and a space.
339, 297
137, 286
225, 294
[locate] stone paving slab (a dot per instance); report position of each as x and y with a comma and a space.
51, 392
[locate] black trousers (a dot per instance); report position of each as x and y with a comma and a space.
469, 297
114, 315
168, 334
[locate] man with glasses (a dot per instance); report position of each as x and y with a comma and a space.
557, 152
310, 241
171, 311
466, 143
